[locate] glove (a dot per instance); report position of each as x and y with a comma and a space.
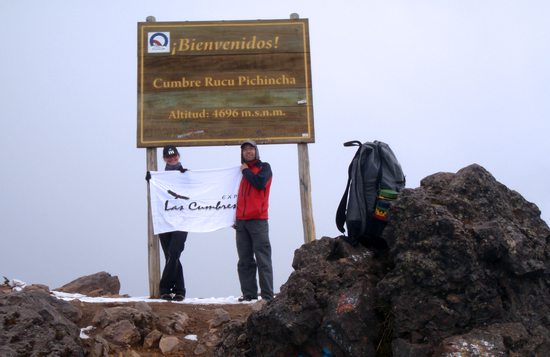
182, 170
147, 176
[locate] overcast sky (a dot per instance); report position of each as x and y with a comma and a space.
444, 83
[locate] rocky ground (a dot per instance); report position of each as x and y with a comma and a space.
200, 319
169, 319
466, 272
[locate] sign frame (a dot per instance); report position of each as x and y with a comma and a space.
208, 83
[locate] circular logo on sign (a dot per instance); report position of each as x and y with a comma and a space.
158, 39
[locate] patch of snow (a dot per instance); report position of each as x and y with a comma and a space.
197, 301
16, 284
191, 337
84, 331
19, 285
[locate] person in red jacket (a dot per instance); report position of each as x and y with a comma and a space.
253, 246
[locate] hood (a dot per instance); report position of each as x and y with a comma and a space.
253, 143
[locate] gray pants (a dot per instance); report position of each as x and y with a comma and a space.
254, 252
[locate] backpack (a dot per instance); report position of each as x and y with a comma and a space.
374, 180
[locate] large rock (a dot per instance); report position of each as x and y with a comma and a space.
467, 269
98, 284
327, 302
33, 323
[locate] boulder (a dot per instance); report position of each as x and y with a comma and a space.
467, 253
98, 284
33, 323
466, 269
326, 303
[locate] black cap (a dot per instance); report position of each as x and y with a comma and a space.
169, 151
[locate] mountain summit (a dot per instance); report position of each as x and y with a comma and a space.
466, 273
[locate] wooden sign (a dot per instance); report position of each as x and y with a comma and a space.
219, 83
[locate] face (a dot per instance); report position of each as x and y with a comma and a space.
249, 152
172, 159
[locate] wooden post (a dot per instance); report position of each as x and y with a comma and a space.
305, 193
305, 183
152, 240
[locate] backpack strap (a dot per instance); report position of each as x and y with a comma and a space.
382, 163
341, 211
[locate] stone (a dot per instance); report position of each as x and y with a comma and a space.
34, 323
98, 284
211, 339
152, 339
181, 320
466, 269
169, 344
258, 305
96, 346
473, 344
42, 287
122, 333
220, 316
140, 318
200, 350
143, 307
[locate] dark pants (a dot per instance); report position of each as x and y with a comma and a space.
172, 281
254, 252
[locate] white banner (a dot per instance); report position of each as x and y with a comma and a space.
194, 201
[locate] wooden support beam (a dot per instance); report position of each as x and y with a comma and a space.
305, 193
152, 240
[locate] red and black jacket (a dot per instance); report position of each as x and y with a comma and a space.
253, 198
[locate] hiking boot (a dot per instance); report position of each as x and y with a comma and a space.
166, 297
247, 298
178, 297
